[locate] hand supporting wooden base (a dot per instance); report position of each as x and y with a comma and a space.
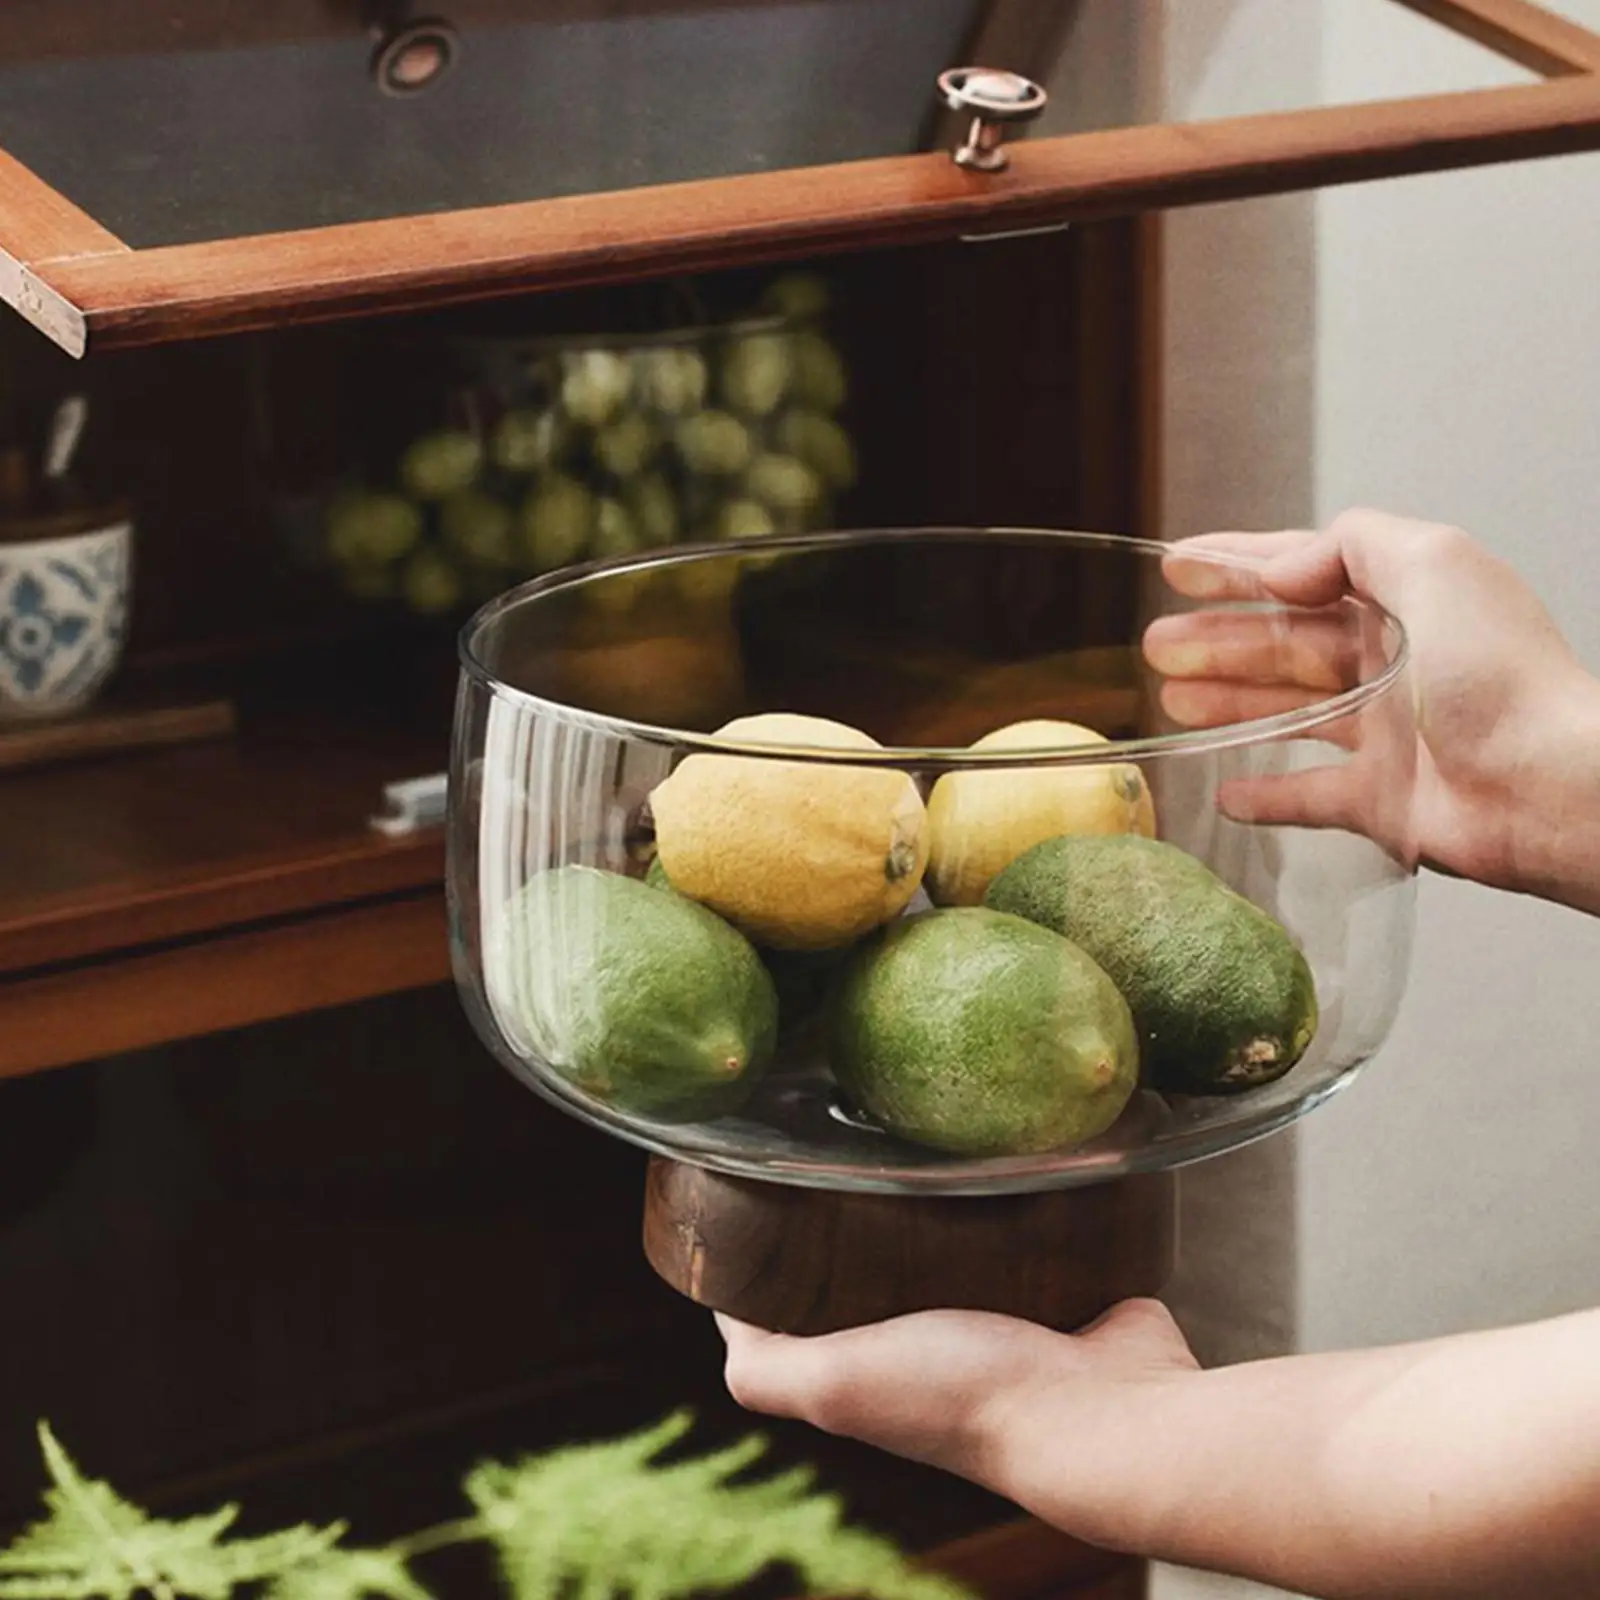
812, 1261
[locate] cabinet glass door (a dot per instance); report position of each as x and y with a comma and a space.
196, 166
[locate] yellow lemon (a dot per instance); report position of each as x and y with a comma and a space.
982, 821
799, 855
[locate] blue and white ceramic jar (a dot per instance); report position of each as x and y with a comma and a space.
65, 589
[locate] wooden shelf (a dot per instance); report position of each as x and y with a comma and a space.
149, 848
159, 896
211, 985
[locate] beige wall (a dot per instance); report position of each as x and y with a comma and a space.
1458, 377
1431, 345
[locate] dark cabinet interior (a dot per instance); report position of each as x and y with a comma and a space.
324, 1260
324, 1265
1002, 383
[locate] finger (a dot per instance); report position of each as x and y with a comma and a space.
1313, 650
1220, 705
739, 1333
1320, 797
1365, 552
766, 1372
1381, 552
1256, 547
1373, 554
1361, 551
1211, 703
838, 1381
1217, 566
921, 1386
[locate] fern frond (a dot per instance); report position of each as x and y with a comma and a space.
50, 1588
592, 1522
854, 1562
601, 1520
350, 1575
94, 1545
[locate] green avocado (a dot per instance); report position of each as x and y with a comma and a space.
983, 1035
643, 1000
803, 979
1223, 999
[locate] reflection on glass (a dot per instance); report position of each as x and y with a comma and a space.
920, 926
188, 128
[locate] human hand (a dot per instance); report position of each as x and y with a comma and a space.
982, 1396
1363, 1474
1507, 757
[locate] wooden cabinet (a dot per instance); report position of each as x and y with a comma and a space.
277, 1223
338, 1238
189, 168
205, 887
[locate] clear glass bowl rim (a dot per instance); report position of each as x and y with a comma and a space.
1301, 721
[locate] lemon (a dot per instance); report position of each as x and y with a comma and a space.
799, 855
982, 821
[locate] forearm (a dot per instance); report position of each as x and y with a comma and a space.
1556, 831
1466, 1468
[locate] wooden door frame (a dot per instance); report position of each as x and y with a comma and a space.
80, 284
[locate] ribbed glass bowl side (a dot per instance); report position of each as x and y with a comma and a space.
571, 714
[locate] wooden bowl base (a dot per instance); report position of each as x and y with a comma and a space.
812, 1261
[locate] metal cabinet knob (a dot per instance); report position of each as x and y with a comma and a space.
410, 54
996, 102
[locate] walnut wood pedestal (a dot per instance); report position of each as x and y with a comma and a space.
812, 1261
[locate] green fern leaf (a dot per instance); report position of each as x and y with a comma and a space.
350, 1575
94, 1545
600, 1520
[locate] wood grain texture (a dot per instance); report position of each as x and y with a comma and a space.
1150, 385
1531, 35
37, 224
101, 732
116, 916
404, 263
154, 847
43, 225
277, 970
812, 1261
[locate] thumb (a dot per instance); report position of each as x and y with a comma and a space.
1313, 573
760, 1367
916, 1385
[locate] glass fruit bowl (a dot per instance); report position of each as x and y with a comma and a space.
943, 860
